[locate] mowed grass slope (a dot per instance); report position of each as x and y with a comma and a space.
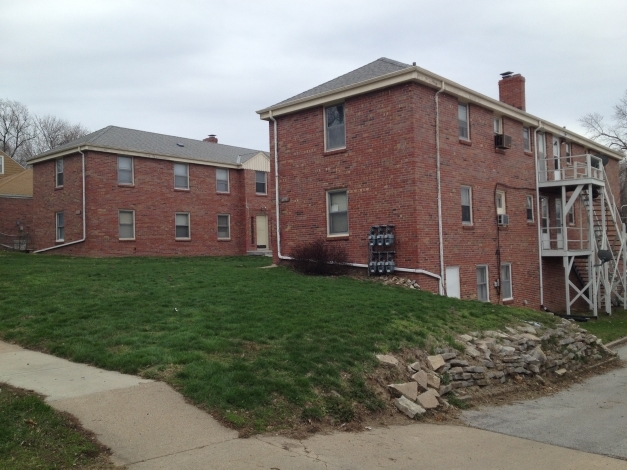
255, 346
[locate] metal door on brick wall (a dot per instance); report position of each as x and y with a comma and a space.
452, 282
261, 224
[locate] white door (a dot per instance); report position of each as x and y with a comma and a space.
261, 224
557, 174
542, 163
559, 218
544, 213
452, 282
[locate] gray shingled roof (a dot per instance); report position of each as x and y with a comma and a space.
378, 68
120, 140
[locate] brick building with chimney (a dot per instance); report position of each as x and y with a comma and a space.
484, 200
120, 192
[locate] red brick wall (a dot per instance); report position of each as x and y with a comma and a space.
13, 209
389, 169
154, 200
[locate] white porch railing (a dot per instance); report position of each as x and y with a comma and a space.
576, 167
575, 239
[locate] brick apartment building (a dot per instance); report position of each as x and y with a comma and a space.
16, 202
119, 192
486, 200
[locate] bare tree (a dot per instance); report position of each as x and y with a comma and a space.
23, 135
614, 135
16, 128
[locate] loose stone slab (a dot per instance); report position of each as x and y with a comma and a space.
472, 352
435, 362
416, 366
465, 338
422, 380
560, 372
428, 400
433, 381
387, 360
444, 389
409, 390
408, 407
458, 363
448, 356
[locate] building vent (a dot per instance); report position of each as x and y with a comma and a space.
502, 141
502, 220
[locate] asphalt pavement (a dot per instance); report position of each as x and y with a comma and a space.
589, 416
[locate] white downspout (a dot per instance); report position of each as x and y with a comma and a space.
84, 220
437, 155
535, 142
278, 225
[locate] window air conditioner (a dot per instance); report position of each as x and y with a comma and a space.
502, 220
502, 141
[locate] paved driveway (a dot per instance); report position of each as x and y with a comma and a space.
591, 416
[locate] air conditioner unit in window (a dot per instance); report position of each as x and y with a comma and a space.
502, 220
502, 141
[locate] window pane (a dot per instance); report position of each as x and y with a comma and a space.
338, 202
260, 182
126, 218
222, 180
335, 127
182, 232
223, 226
60, 219
339, 222
125, 170
180, 169
125, 163
466, 196
462, 117
182, 225
182, 219
506, 281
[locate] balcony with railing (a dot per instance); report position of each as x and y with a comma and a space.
572, 170
573, 241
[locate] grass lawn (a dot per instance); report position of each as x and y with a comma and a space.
256, 347
608, 328
33, 435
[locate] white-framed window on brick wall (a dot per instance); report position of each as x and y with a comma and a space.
1, 164
261, 182
126, 224
501, 208
334, 127
466, 199
222, 180
483, 292
337, 212
182, 226
526, 139
506, 281
463, 121
224, 226
529, 207
181, 176
125, 170
60, 226
59, 172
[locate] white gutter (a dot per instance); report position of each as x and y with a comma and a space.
278, 224
84, 220
437, 158
539, 214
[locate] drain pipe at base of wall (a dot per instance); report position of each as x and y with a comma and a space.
278, 224
84, 221
538, 208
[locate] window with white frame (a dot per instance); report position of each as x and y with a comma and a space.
334, 127
224, 226
567, 154
1, 164
222, 180
462, 118
337, 212
181, 176
181, 226
529, 206
483, 293
126, 225
526, 139
60, 226
59, 172
500, 202
498, 125
261, 182
506, 281
125, 170
466, 193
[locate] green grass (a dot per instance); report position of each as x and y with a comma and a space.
257, 347
33, 435
608, 327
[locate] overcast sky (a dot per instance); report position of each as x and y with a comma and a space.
193, 68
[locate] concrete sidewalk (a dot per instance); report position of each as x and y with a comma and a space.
149, 426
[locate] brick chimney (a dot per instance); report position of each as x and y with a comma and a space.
512, 90
212, 138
